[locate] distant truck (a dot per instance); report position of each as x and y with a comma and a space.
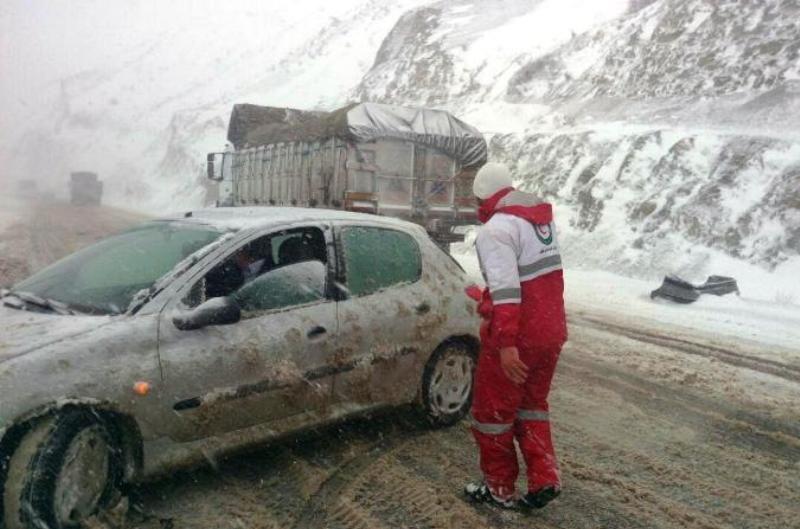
85, 189
413, 163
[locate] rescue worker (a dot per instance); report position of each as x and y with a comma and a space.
523, 330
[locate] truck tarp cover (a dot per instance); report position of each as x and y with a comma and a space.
253, 125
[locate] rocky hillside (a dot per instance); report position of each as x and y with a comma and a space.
678, 61
656, 201
453, 52
704, 150
667, 135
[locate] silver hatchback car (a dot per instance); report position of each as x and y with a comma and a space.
188, 337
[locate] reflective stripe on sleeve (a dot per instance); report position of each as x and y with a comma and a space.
533, 415
548, 264
507, 294
490, 428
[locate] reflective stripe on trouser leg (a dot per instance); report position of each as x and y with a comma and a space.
489, 428
533, 415
498, 457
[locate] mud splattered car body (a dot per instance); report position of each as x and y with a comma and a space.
366, 313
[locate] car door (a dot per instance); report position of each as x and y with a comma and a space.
384, 316
269, 365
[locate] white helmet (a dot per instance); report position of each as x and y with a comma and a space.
490, 179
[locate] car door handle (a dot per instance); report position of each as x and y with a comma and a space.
317, 332
423, 308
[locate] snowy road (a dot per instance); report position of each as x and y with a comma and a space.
642, 445
35, 234
658, 424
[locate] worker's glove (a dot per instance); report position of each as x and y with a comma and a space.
475, 292
514, 368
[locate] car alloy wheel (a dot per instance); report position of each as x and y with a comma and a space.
447, 384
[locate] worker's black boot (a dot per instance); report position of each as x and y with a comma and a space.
480, 493
540, 498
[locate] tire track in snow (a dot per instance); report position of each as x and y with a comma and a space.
331, 490
763, 365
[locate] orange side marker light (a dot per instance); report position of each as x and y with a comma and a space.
141, 388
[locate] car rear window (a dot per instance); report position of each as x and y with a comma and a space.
377, 258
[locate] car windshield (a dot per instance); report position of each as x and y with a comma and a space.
103, 278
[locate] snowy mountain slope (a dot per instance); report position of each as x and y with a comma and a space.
717, 164
664, 200
679, 62
690, 48
457, 51
666, 133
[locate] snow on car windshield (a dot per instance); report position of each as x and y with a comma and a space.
104, 277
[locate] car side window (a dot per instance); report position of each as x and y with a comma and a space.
377, 258
287, 286
263, 274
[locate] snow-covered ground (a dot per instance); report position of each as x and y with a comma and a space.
743, 317
771, 327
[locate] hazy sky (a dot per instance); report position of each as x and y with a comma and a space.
44, 40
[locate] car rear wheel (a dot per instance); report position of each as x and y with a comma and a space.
66, 469
447, 383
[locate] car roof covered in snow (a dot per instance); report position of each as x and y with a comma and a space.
241, 218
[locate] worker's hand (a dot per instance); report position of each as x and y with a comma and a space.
513, 367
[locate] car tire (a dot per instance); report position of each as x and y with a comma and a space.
65, 469
447, 383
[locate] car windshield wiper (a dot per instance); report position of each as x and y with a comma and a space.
37, 301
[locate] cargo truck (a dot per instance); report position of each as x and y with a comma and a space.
413, 163
85, 189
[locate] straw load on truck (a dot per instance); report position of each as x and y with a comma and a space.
414, 163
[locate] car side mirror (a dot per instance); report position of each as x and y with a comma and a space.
215, 311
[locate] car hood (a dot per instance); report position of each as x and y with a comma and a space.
23, 331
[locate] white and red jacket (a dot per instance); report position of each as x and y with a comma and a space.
520, 260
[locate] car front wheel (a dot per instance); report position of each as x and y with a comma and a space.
66, 469
447, 383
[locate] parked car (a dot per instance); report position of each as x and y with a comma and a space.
191, 336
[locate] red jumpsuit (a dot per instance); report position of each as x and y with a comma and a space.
522, 306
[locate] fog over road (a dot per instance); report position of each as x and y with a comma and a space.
34, 234
652, 432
